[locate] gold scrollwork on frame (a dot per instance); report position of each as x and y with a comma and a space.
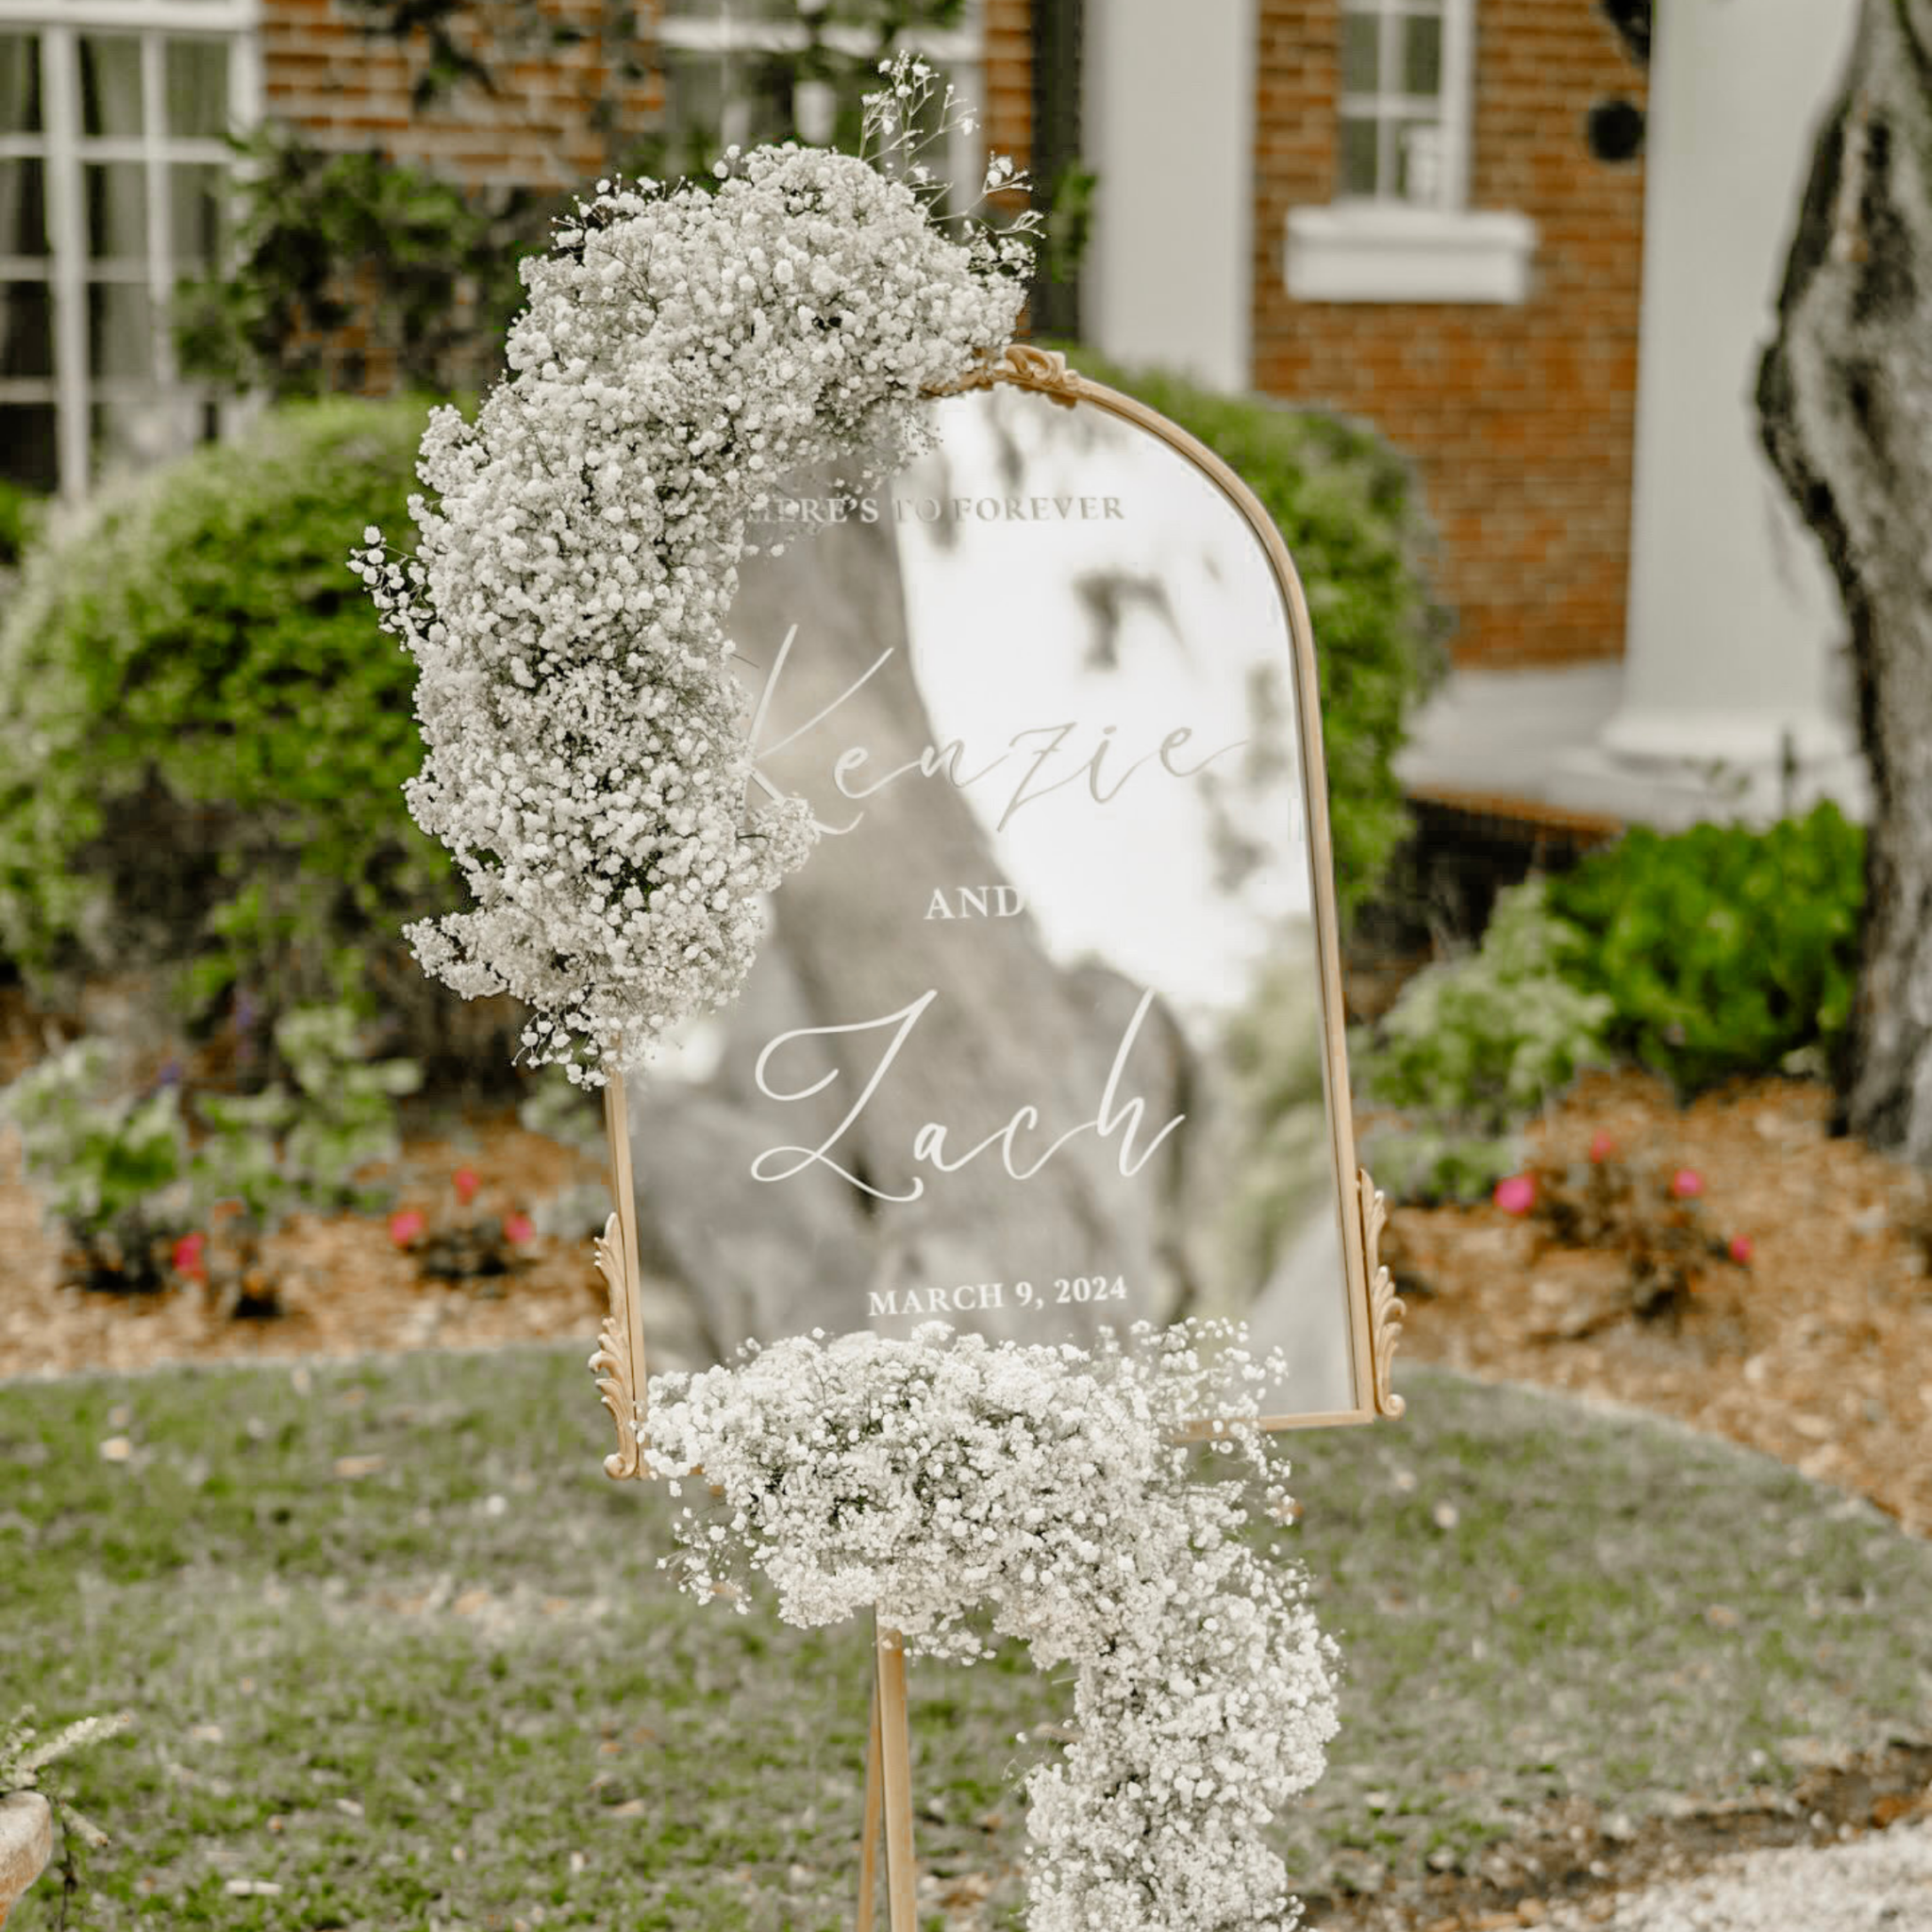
616, 1372
1386, 1310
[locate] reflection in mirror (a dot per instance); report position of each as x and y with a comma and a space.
1037, 1042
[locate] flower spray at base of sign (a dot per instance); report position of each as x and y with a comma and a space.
950, 1484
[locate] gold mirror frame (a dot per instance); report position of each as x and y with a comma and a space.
1375, 1314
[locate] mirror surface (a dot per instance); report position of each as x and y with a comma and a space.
1036, 1043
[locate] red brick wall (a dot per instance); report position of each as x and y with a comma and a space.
1520, 419
1009, 79
350, 92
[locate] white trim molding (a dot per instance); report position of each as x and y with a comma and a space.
1379, 251
1169, 279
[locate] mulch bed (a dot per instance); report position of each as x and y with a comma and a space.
344, 1286
1818, 1352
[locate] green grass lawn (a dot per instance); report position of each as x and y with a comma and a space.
401, 1656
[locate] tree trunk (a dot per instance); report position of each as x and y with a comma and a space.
1844, 398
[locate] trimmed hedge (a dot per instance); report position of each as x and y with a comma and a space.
203, 735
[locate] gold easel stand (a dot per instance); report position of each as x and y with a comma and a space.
888, 1794
619, 1367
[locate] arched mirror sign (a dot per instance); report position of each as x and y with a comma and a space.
1046, 1035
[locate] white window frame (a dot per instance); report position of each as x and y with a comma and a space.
1382, 247
1450, 101
64, 150
958, 53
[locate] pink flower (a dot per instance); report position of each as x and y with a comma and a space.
1740, 1250
1516, 1196
465, 1182
405, 1225
188, 1256
518, 1228
1686, 1184
1601, 1146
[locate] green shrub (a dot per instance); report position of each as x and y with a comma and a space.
21, 513
1349, 509
324, 239
277, 1150
103, 1156
1430, 1163
203, 735
116, 1165
1473, 1046
1722, 950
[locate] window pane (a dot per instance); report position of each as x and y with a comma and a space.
1421, 55
713, 102
27, 329
22, 208
1360, 36
740, 11
19, 84
116, 197
110, 85
198, 196
120, 330
1419, 163
1357, 154
197, 88
29, 446
919, 16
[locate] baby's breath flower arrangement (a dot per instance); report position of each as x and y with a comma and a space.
25, 1756
588, 765
683, 348
955, 1486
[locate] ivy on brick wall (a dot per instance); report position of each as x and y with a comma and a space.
355, 272
363, 273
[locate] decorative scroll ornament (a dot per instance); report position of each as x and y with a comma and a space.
1023, 367
1386, 1310
618, 1375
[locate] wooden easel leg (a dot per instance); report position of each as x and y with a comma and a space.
869, 1831
896, 1780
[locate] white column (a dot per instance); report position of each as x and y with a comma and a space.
1170, 118
1734, 621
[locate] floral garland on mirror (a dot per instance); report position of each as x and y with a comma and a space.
953, 1485
683, 348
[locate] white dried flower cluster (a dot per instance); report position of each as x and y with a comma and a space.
25, 1754
950, 1484
587, 756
